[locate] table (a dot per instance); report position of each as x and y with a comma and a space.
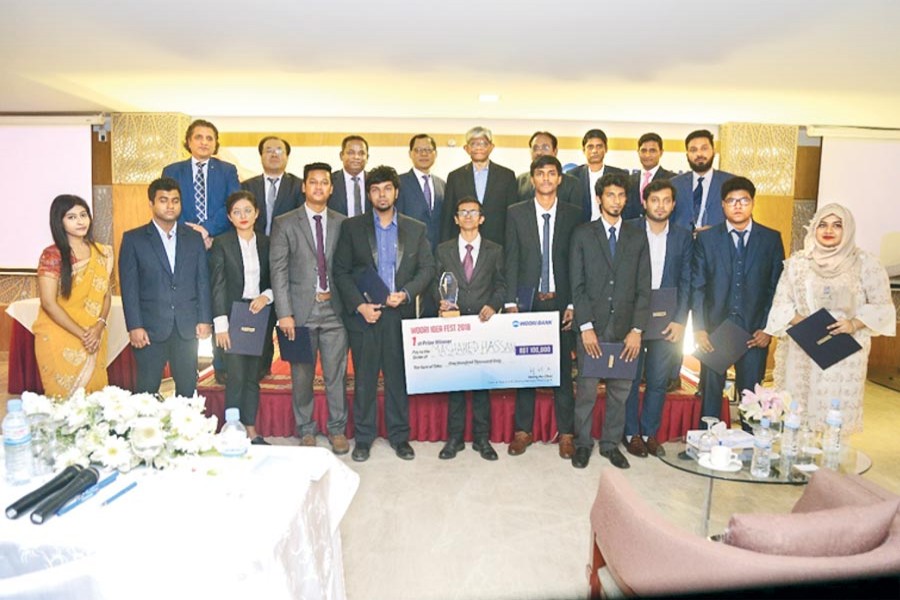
683, 457
266, 526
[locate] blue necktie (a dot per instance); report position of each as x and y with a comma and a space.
612, 242
698, 201
740, 243
545, 256
426, 189
200, 193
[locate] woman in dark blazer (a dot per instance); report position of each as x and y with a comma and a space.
239, 265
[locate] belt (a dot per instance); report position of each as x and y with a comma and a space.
323, 296
544, 297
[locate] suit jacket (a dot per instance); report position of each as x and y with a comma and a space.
487, 286
611, 290
293, 262
356, 250
523, 249
633, 207
155, 298
226, 270
677, 267
338, 199
569, 190
411, 202
290, 196
582, 173
684, 199
499, 193
221, 182
712, 276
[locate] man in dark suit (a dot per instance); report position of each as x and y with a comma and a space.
735, 270
164, 277
541, 143
670, 249
477, 265
276, 191
205, 181
611, 293
303, 247
594, 146
699, 190
421, 197
650, 151
538, 233
493, 185
396, 248
349, 183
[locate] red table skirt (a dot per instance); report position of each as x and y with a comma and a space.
24, 374
428, 414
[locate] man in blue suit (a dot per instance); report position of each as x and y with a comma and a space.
594, 146
205, 182
699, 191
670, 267
735, 269
422, 197
164, 278
650, 151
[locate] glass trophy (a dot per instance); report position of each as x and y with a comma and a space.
449, 289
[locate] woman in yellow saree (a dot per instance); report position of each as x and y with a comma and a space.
73, 283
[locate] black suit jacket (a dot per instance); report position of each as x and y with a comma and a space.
677, 267
712, 276
611, 290
338, 199
226, 265
487, 287
411, 202
633, 207
499, 193
357, 250
569, 191
290, 196
582, 173
523, 249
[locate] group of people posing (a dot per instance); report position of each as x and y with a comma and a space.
591, 244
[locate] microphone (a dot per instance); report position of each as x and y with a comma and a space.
17, 508
49, 506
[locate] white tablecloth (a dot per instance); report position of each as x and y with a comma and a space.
26, 311
262, 527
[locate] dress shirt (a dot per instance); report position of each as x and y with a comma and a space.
652, 172
657, 242
310, 213
606, 225
594, 177
277, 179
481, 177
476, 246
419, 176
734, 238
250, 260
386, 240
194, 168
707, 180
541, 211
348, 188
169, 242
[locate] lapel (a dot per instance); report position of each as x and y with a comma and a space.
305, 231
400, 242
484, 253
454, 264
419, 194
469, 180
159, 249
751, 246
725, 244
369, 226
180, 248
558, 224
331, 233
603, 241
234, 247
532, 230
670, 248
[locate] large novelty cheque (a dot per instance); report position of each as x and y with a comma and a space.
516, 350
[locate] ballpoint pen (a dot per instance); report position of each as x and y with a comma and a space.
121, 492
88, 493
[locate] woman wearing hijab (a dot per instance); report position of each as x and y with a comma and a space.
830, 272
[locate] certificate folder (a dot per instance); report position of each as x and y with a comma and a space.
729, 342
370, 285
662, 311
524, 298
297, 351
609, 365
825, 349
246, 330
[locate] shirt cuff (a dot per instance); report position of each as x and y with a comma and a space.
587, 327
510, 305
221, 324
268, 294
570, 307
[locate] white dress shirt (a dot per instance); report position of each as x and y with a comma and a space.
348, 187
657, 243
250, 258
169, 241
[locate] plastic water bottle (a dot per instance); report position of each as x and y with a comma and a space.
762, 451
790, 437
17, 444
233, 436
831, 437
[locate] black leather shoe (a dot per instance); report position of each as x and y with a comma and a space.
484, 448
404, 450
582, 458
361, 452
259, 441
451, 448
615, 457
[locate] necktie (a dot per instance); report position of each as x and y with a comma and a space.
200, 193
698, 201
740, 243
357, 197
612, 242
468, 263
270, 204
320, 254
426, 189
545, 256
645, 181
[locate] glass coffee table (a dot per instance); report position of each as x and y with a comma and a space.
685, 457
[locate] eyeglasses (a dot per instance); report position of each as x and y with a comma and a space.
480, 143
745, 201
275, 151
542, 148
424, 151
468, 212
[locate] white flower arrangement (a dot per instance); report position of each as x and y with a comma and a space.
99, 427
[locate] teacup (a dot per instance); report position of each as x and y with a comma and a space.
721, 457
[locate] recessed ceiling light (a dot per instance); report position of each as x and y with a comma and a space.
489, 98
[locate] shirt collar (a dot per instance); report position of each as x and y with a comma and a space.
607, 224
476, 243
162, 232
731, 228
650, 231
421, 174
541, 210
377, 219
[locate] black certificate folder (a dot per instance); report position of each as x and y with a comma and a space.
729, 342
297, 351
246, 330
609, 365
370, 285
825, 349
663, 303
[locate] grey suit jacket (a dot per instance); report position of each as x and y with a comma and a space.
290, 196
487, 287
292, 263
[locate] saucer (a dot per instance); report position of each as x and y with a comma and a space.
734, 466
